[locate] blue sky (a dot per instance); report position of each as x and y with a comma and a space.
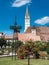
38, 10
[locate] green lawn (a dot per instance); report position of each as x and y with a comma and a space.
9, 61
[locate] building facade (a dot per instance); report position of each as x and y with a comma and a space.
42, 31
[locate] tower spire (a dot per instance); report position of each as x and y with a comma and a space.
15, 23
27, 19
27, 13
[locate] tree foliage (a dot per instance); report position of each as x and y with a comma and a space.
2, 42
47, 49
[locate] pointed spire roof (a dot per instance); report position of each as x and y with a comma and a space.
15, 23
27, 13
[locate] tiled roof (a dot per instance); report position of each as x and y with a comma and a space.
28, 30
42, 31
9, 37
28, 36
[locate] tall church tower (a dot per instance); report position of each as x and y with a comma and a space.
27, 19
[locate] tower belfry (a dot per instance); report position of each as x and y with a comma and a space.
27, 19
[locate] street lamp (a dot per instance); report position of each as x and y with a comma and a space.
16, 28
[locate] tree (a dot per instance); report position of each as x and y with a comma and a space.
2, 42
42, 46
47, 49
17, 44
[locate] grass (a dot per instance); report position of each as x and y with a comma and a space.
9, 61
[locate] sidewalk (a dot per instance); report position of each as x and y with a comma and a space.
7, 55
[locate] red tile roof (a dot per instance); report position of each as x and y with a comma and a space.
28, 36
42, 31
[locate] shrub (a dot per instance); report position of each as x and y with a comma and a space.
1, 52
43, 54
20, 53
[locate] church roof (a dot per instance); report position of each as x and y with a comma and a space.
28, 36
42, 31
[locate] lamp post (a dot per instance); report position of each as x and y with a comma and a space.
16, 29
28, 59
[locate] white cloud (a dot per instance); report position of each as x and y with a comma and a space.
42, 21
19, 3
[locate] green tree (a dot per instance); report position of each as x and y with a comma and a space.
17, 44
47, 49
41, 45
2, 42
